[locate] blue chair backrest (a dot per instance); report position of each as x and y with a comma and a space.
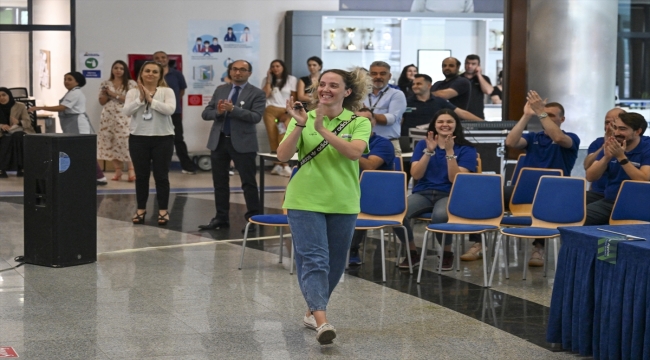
633, 201
397, 163
520, 164
527, 184
560, 200
383, 192
476, 196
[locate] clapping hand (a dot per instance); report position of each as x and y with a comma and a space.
613, 149
297, 111
143, 91
432, 141
535, 102
448, 143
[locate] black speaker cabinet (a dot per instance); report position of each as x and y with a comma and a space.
60, 199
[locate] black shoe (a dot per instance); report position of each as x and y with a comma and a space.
3, 174
215, 224
415, 260
447, 261
251, 229
20, 173
102, 183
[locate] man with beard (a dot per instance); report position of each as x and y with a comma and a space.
454, 88
480, 85
386, 104
625, 156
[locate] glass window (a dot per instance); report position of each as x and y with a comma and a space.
51, 12
13, 12
632, 73
14, 59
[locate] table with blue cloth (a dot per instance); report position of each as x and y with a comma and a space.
598, 308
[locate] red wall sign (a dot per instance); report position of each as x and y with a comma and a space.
195, 100
7, 352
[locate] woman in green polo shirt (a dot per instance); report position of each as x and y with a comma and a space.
323, 196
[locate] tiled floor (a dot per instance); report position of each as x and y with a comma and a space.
176, 293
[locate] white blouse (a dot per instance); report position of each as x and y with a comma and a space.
279, 97
161, 109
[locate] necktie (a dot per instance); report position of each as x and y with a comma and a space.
226, 125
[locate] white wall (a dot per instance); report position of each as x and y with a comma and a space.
121, 27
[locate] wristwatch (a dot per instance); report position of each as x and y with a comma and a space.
542, 115
451, 157
624, 161
430, 153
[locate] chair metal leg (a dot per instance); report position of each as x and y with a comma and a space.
408, 254
383, 257
281, 243
243, 245
485, 278
546, 245
424, 252
460, 239
497, 248
363, 256
556, 243
291, 261
525, 258
441, 252
507, 256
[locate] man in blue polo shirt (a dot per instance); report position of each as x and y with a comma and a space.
176, 81
597, 189
552, 148
625, 156
387, 104
380, 157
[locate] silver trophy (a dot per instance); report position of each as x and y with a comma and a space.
498, 40
332, 45
351, 31
370, 45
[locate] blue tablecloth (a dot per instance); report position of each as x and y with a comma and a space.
597, 308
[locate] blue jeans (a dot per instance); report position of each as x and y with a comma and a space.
433, 201
321, 242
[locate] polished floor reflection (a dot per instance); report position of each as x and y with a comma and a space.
176, 293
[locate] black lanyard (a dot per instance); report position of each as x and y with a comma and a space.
381, 94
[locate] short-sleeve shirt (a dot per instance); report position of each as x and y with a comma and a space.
436, 176
279, 96
476, 98
74, 101
329, 183
639, 156
542, 152
383, 148
599, 185
421, 112
176, 81
462, 87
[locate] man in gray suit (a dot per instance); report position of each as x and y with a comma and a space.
235, 110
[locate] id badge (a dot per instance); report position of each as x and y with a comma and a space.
147, 116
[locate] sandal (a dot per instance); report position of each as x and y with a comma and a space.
163, 219
131, 177
117, 177
138, 219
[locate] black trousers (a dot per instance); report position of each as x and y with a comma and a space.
181, 148
145, 151
245, 165
11, 151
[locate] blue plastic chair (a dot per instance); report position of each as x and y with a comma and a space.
559, 201
515, 174
398, 163
475, 206
632, 197
277, 220
383, 205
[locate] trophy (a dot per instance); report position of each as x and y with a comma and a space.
498, 39
387, 41
332, 36
369, 45
351, 31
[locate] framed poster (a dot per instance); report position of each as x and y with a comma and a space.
44, 68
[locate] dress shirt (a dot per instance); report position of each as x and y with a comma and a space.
391, 104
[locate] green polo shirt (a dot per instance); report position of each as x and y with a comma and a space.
329, 183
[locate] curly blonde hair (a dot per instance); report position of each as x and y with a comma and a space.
356, 79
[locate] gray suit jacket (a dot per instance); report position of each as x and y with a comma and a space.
242, 119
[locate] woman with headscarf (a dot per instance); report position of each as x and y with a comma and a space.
72, 111
14, 124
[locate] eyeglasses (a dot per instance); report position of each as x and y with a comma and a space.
239, 70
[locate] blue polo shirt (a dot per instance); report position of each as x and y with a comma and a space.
176, 81
542, 152
436, 175
382, 147
599, 185
639, 156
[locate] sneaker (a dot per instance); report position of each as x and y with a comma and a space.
309, 322
447, 261
102, 181
188, 172
277, 169
415, 260
354, 258
286, 171
474, 253
326, 333
537, 257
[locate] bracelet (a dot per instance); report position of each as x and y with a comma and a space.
451, 157
302, 126
425, 152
